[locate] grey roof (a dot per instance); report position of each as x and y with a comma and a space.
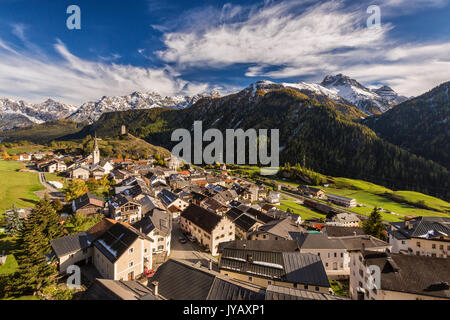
284, 293
317, 241
305, 268
336, 231
159, 219
230, 291
180, 281
366, 241
423, 227
261, 245
102, 289
69, 244
291, 267
412, 274
281, 228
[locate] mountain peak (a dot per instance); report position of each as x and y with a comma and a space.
340, 80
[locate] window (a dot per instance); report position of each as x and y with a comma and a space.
130, 250
160, 247
318, 254
269, 282
250, 279
161, 239
433, 246
295, 285
305, 287
326, 264
342, 254
403, 242
335, 255
145, 250
317, 288
418, 244
441, 247
130, 264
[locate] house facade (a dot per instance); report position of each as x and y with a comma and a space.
208, 228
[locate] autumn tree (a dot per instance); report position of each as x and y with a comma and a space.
75, 189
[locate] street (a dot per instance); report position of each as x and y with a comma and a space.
189, 251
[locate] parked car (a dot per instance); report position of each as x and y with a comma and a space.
182, 240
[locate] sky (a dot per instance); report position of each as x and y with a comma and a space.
188, 47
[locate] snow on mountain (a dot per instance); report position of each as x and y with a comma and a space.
92, 111
21, 113
371, 102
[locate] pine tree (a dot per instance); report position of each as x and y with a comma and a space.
14, 222
35, 271
374, 225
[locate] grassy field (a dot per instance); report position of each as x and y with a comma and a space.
303, 211
24, 149
53, 177
372, 195
8, 245
17, 187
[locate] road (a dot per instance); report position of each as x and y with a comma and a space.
189, 251
50, 190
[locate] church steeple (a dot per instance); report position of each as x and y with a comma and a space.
95, 152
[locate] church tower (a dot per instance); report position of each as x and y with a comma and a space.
95, 152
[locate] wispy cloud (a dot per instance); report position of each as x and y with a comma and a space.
24, 74
281, 41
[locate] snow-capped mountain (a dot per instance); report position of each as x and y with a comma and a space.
92, 111
371, 102
390, 95
21, 113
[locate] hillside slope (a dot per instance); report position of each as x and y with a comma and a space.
421, 125
330, 141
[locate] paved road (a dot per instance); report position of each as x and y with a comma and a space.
51, 191
189, 251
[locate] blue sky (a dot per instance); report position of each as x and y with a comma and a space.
188, 47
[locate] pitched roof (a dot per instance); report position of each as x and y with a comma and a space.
261, 245
281, 228
88, 199
317, 241
230, 291
294, 267
336, 231
284, 293
103, 289
116, 240
412, 274
157, 219
180, 281
167, 197
202, 218
423, 227
69, 244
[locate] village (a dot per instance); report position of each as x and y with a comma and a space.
165, 230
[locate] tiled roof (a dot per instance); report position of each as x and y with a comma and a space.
424, 227
87, 199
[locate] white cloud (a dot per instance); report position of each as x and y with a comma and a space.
31, 76
323, 38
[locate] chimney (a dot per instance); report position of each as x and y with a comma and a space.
156, 287
210, 264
